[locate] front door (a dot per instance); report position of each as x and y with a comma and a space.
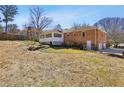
89, 45
100, 46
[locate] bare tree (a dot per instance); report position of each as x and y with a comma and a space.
58, 28
114, 27
0, 20
115, 35
12, 27
77, 26
38, 19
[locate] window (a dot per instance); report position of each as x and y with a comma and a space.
83, 34
57, 35
48, 35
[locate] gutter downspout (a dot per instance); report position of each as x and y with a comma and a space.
95, 37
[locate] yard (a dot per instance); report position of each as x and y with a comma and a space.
57, 67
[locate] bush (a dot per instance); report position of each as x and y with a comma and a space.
109, 43
83, 46
95, 48
74, 45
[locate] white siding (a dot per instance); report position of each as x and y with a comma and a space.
54, 40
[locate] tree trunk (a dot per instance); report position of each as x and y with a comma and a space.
6, 20
6, 26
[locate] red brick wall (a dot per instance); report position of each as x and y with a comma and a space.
101, 37
75, 37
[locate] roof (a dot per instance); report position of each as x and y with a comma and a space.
122, 44
51, 31
84, 29
72, 30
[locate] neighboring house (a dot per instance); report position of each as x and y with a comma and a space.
52, 37
92, 38
121, 45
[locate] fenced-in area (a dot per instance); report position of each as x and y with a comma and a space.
12, 36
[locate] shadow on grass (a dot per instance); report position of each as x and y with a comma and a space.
48, 48
64, 47
58, 47
34, 48
117, 56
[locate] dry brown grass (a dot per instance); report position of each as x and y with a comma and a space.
20, 67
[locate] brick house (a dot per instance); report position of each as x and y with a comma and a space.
92, 38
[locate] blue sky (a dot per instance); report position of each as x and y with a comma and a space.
67, 15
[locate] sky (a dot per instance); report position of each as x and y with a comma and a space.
66, 15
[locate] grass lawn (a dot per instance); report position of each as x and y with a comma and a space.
48, 49
61, 50
57, 67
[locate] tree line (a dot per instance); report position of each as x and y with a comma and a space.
114, 26
39, 21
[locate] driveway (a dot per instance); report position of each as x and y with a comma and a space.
112, 51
